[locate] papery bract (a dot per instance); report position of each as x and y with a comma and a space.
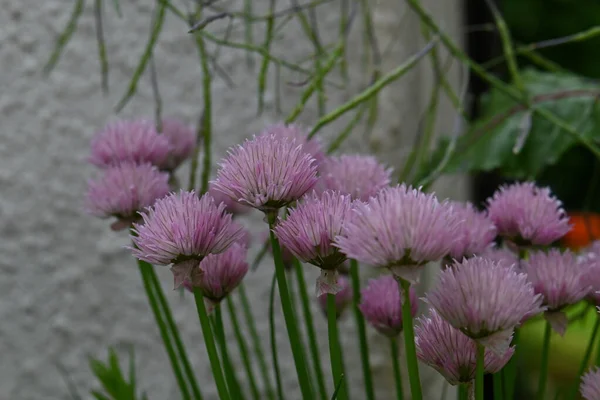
342, 298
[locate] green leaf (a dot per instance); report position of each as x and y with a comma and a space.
514, 140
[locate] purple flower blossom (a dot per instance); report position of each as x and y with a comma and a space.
590, 259
484, 300
135, 141
452, 353
342, 298
502, 256
590, 385
218, 274
357, 175
381, 304
527, 214
558, 277
309, 230
182, 140
475, 231
231, 206
124, 190
292, 131
401, 228
267, 172
181, 229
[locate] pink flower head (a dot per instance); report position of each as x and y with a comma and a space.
124, 190
401, 228
267, 172
590, 385
218, 274
182, 140
309, 230
475, 231
558, 277
342, 298
359, 176
484, 300
527, 214
502, 256
590, 259
231, 206
135, 141
452, 353
381, 304
181, 229
292, 131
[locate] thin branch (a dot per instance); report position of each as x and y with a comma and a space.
101, 45
64, 37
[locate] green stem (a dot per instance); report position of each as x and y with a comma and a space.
232, 382
409, 341
335, 353
242, 347
498, 392
274, 352
371, 90
207, 112
187, 366
211, 349
256, 344
362, 331
544, 365
145, 269
479, 372
264, 67
463, 391
586, 358
288, 314
510, 370
310, 329
396, 364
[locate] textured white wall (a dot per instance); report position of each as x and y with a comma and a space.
68, 289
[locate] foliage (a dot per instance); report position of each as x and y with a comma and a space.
115, 385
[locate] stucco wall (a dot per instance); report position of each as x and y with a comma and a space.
68, 289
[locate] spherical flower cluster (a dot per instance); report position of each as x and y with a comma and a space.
474, 234
293, 131
401, 228
309, 231
123, 190
559, 278
381, 305
590, 385
135, 141
527, 214
590, 259
452, 353
267, 172
182, 140
484, 300
342, 298
181, 229
357, 175
218, 274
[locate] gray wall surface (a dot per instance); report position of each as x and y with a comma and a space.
68, 288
